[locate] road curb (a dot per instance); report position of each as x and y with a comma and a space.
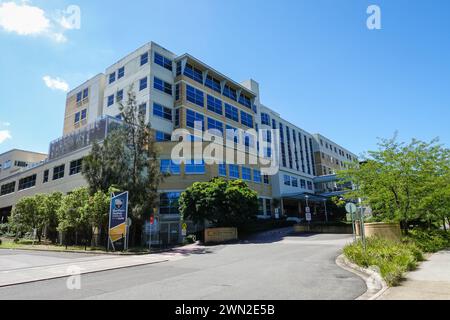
375, 284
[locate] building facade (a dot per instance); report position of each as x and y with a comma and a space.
178, 93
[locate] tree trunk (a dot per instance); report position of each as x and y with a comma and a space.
444, 224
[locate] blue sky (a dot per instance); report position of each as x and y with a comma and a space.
316, 61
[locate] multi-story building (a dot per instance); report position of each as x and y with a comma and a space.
176, 92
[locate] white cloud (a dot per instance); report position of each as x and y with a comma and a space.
27, 20
56, 83
5, 135
23, 19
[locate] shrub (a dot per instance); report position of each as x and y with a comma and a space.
429, 241
4, 227
392, 258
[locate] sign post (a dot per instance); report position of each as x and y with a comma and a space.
118, 215
351, 209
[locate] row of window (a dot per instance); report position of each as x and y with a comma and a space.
30, 181
194, 167
214, 84
336, 150
295, 182
120, 73
237, 172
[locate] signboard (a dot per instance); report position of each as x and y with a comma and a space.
118, 215
184, 229
308, 210
308, 216
350, 207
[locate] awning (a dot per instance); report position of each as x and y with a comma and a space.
304, 196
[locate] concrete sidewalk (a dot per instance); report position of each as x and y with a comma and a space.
431, 281
13, 275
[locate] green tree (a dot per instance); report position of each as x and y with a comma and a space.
221, 202
402, 182
49, 209
128, 160
26, 216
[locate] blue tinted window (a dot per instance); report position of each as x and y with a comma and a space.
257, 176
193, 73
265, 119
110, 100
222, 170
143, 84
162, 136
83, 114
119, 96
162, 112
85, 93
112, 77
214, 124
232, 134
168, 166
246, 174
195, 168
231, 112
246, 119
77, 117
144, 58
79, 96
245, 101
233, 171
195, 96
192, 117
162, 86
294, 182
214, 105
230, 93
213, 84
121, 73
163, 61
287, 180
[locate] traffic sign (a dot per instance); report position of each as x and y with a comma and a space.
184, 226
350, 207
152, 219
308, 210
308, 216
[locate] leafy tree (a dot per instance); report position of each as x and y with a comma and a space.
221, 202
128, 160
49, 210
403, 182
27, 217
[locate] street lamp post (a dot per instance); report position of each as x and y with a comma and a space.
326, 213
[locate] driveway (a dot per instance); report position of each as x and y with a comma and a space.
273, 265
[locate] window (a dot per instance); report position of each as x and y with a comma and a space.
178, 71
163, 61
222, 170
45, 179
85, 93
214, 105
21, 164
310, 185
8, 188
267, 152
119, 96
177, 92
213, 84
260, 207
266, 179
245, 101
162, 86
294, 182
27, 182
268, 208
58, 172
75, 167
144, 58
121, 73
168, 203
265, 119
7, 164
287, 180
233, 171
246, 174
195, 96
246, 119
230, 93
303, 184
79, 97
77, 117
112, 77
195, 168
168, 166
232, 134
143, 84
257, 176
193, 73
143, 109
83, 114
177, 117
231, 112
162, 112
162, 136
192, 117
214, 124
110, 100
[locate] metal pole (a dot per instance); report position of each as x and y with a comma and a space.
326, 213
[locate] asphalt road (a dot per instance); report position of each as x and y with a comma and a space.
270, 266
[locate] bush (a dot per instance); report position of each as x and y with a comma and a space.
392, 258
191, 239
429, 241
4, 227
